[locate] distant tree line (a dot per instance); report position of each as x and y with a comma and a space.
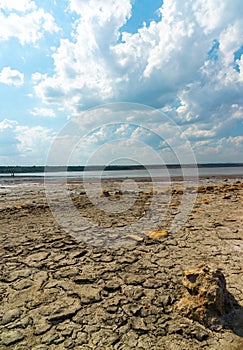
21, 169
40, 168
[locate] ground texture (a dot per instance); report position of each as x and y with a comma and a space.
60, 292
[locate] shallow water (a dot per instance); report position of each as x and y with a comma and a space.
146, 173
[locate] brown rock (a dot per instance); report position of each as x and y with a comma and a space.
206, 298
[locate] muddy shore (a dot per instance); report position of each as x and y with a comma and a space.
111, 283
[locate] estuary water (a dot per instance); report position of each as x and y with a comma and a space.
141, 173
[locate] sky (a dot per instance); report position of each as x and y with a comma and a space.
61, 61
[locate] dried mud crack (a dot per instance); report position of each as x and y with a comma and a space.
57, 292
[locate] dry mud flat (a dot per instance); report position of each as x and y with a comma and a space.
57, 292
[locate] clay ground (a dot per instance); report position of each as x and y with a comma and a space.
113, 284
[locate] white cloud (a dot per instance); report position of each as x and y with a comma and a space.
27, 27
23, 145
104, 13
151, 66
225, 150
217, 14
237, 112
83, 68
34, 140
17, 5
8, 142
173, 64
43, 112
12, 77
197, 132
37, 76
132, 151
7, 124
240, 65
135, 127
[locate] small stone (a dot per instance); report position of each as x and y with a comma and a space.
11, 337
11, 316
157, 234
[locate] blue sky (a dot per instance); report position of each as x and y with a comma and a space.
59, 59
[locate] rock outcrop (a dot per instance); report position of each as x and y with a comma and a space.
206, 298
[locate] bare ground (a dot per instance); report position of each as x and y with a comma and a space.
109, 285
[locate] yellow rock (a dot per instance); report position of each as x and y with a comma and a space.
157, 234
206, 201
174, 204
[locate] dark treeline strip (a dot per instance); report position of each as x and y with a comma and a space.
40, 169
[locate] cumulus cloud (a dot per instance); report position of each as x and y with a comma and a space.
123, 129
43, 112
7, 124
17, 5
155, 65
33, 140
12, 77
83, 67
184, 63
23, 145
8, 141
24, 21
225, 149
37, 76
